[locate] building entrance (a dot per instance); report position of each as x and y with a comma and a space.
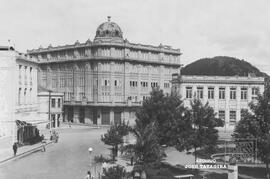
82, 115
95, 116
105, 119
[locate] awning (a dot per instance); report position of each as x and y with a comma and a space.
20, 123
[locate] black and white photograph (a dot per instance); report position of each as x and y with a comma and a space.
135, 89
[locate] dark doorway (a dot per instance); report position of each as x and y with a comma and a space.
105, 119
95, 116
82, 115
117, 117
53, 121
70, 114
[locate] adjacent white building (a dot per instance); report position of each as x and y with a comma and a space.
228, 95
50, 112
18, 95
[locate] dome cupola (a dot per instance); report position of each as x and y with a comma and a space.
109, 31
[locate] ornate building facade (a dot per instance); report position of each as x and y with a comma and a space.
104, 80
228, 95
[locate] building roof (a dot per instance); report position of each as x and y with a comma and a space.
3, 48
107, 34
42, 89
196, 79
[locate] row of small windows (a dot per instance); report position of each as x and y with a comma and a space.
108, 67
105, 82
232, 115
53, 103
221, 93
26, 72
24, 96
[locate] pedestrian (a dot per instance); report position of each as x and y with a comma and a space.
69, 123
15, 148
56, 137
44, 145
88, 176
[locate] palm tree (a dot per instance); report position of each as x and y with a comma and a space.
146, 149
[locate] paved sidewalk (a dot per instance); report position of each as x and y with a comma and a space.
6, 151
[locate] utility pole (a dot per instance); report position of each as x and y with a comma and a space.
49, 111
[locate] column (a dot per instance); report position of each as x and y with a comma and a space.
87, 116
111, 116
238, 103
227, 107
126, 81
112, 83
99, 116
205, 94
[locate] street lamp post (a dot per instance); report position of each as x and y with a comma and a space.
90, 150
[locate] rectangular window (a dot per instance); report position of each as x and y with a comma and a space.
20, 70
244, 93
154, 84
81, 81
211, 93
166, 85
24, 96
19, 96
81, 96
188, 92
233, 117
53, 103
232, 93
133, 83
255, 93
54, 83
59, 102
30, 96
200, 92
221, 93
221, 114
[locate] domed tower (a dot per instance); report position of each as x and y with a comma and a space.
109, 32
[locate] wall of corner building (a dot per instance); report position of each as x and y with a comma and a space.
7, 92
226, 104
11, 110
100, 63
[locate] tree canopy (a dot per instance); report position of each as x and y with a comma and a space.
256, 124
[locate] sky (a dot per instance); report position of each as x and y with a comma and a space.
200, 28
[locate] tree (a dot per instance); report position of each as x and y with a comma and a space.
162, 111
146, 149
114, 172
256, 124
200, 129
112, 138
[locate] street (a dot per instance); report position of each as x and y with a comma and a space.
69, 158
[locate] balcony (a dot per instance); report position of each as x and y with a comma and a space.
108, 104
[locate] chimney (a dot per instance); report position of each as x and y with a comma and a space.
109, 18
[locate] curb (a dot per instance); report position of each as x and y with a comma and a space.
24, 153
